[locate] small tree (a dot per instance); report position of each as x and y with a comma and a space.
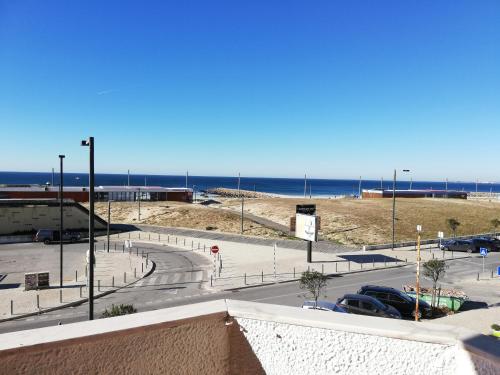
453, 224
117, 310
495, 223
314, 282
434, 269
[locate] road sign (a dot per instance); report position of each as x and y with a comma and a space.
214, 249
483, 251
498, 271
305, 209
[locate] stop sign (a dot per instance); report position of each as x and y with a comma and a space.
214, 249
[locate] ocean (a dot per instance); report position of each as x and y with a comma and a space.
284, 186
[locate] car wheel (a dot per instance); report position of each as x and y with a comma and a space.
419, 314
46, 242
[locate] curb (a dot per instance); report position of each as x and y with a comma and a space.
328, 275
78, 302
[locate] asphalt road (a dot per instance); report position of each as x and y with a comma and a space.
177, 281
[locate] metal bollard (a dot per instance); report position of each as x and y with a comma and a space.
159, 237
150, 236
361, 265
81, 292
124, 277
373, 264
385, 262
211, 280
38, 301
478, 276
60, 295
349, 266
113, 281
336, 263
98, 285
192, 244
406, 260
308, 269
142, 267
432, 255
137, 252
262, 276
322, 268
203, 248
135, 273
86, 269
168, 238
294, 272
76, 275
198, 246
129, 235
492, 274
123, 248
11, 307
104, 245
245, 278
139, 235
184, 242
176, 240
115, 246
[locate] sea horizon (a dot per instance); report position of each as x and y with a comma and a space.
273, 185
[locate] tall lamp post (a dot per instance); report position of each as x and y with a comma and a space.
109, 219
61, 158
394, 207
417, 286
90, 143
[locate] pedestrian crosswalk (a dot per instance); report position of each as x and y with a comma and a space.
165, 278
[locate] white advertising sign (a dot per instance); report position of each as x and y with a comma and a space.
440, 235
305, 227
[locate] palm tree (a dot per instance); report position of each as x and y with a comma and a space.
453, 224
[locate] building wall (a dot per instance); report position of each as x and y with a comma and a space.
31, 217
204, 345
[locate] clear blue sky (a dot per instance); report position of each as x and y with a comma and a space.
265, 88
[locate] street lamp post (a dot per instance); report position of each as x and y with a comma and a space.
417, 286
90, 144
61, 203
194, 192
109, 220
394, 207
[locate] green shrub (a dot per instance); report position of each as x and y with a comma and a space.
117, 310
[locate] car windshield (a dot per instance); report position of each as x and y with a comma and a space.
379, 305
405, 296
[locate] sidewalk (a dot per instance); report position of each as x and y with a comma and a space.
241, 264
113, 270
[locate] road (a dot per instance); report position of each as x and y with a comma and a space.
178, 277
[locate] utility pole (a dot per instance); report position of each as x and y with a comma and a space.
61, 203
305, 185
52, 176
109, 220
417, 286
187, 175
382, 183
90, 144
411, 182
242, 204
139, 202
393, 210
239, 183
128, 177
359, 188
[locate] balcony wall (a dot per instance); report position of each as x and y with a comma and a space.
235, 337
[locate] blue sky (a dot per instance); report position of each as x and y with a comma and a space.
265, 88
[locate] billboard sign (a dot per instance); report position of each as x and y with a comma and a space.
305, 209
305, 227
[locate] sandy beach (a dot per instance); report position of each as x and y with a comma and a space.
347, 221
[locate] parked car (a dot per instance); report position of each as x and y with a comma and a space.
459, 245
492, 244
50, 235
397, 299
323, 305
366, 305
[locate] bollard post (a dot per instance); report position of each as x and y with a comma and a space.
443, 254
76, 275
176, 240
385, 261
115, 246
60, 295
142, 267
308, 269
373, 264
203, 248
336, 263
361, 265
113, 281
139, 235
86, 266
198, 246
104, 245
432, 255
406, 260
129, 235
245, 278
262, 275
159, 237
98, 285
81, 292
492, 274
124, 277
168, 238
478, 276
294, 272
322, 268
184, 242
135, 273
211, 280
452, 254
137, 251
150, 236
123, 248
349, 266
38, 302
192, 244
11, 307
